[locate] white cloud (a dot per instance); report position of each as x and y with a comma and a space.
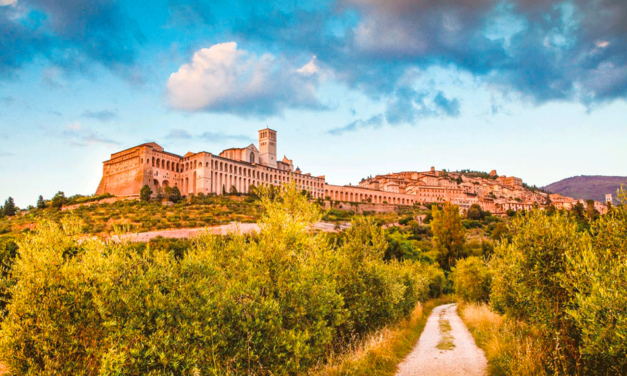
7, 2
224, 79
309, 68
602, 44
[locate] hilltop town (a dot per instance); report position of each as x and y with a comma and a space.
492, 192
240, 169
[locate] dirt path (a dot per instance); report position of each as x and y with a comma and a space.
223, 230
444, 348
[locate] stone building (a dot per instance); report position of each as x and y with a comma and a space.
127, 171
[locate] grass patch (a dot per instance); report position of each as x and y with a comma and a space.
511, 347
380, 353
446, 343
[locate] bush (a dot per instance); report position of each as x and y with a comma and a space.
269, 304
570, 285
375, 293
471, 280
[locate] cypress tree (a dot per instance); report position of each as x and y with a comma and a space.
41, 204
9, 207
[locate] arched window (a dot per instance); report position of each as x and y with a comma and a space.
252, 157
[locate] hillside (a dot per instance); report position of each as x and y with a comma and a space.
588, 187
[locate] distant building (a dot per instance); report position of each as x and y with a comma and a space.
608, 198
149, 164
127, 171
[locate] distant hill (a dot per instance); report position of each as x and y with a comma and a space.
588, 187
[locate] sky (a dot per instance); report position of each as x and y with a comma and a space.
531, 88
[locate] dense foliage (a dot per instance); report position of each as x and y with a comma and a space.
569, 282
471, 279
449, 235
274, 303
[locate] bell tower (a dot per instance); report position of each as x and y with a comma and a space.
267, 147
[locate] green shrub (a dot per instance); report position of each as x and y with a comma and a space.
570, 285
471, 280
270, 304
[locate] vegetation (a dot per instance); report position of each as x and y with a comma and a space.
511, 347
471, 280
145, 193
478, 174
275, 303
380, 353
9, 208
104, 218
41, 203
449, 235
556, 292
292, 301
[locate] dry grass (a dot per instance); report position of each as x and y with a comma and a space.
512, 348
381, 353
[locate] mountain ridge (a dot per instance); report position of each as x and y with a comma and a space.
588, 187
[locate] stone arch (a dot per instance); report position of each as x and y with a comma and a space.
165, 184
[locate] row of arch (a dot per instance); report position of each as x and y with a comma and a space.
375, 198
231, 169
263, 176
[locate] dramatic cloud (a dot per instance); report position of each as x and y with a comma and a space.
104, 115
544, 49
71, 34
225, 79
182, 134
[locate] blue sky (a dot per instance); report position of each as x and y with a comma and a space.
534, 89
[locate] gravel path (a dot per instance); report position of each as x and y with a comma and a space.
223, 230
444, 348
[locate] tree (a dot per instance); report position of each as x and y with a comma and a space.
475, 212
41, 203
145, 193
591, 212
159, 196
173, 194
58, 200
471, 280
233, 190
449, 235
9, 207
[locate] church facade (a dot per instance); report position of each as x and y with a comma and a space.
127, 171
